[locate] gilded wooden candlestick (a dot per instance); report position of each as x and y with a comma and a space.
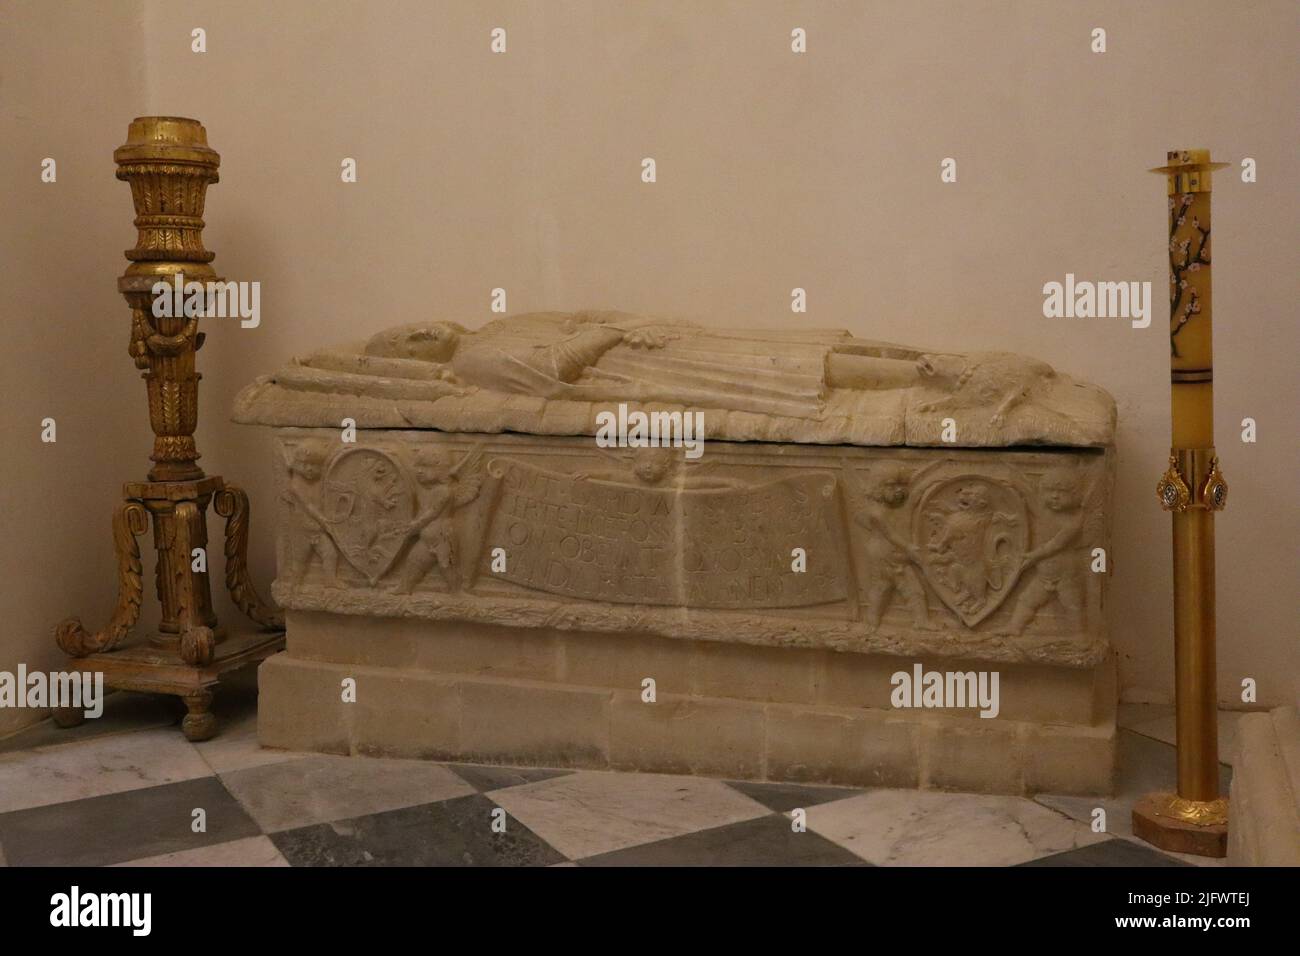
169, 166
1194, 819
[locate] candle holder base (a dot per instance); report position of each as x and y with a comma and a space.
141, 665
1171, 822
190, 651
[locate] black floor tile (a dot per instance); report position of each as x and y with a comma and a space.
484, 778
766, 841
1113, 852
450, 833
784, 797
123, 826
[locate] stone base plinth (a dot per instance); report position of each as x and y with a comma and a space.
551, 697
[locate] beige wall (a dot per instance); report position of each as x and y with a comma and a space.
66, 80
775, 171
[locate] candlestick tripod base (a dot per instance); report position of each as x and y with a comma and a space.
141, 665
189, 653
1171, 822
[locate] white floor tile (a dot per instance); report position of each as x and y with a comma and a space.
250, 851
236, 748
595, 812
95, 767
911, 828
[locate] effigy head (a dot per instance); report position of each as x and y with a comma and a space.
427, 341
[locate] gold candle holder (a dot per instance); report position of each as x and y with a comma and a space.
169, 165
1194, 819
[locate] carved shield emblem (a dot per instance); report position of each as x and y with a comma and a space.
971, 534
369, 504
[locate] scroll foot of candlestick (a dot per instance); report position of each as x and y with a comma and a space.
232, 504
130, 520
1171, 822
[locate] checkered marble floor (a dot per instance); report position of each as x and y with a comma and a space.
125, 790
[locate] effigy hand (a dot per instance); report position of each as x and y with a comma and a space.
649, 338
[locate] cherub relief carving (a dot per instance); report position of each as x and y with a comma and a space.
1057, 568
447, 488
891, 563
309, 536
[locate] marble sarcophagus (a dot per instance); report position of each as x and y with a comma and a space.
602, 540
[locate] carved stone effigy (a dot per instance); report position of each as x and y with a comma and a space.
500, 586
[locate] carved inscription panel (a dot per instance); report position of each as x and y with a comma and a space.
633, 544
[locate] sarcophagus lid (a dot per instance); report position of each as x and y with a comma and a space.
553, 373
